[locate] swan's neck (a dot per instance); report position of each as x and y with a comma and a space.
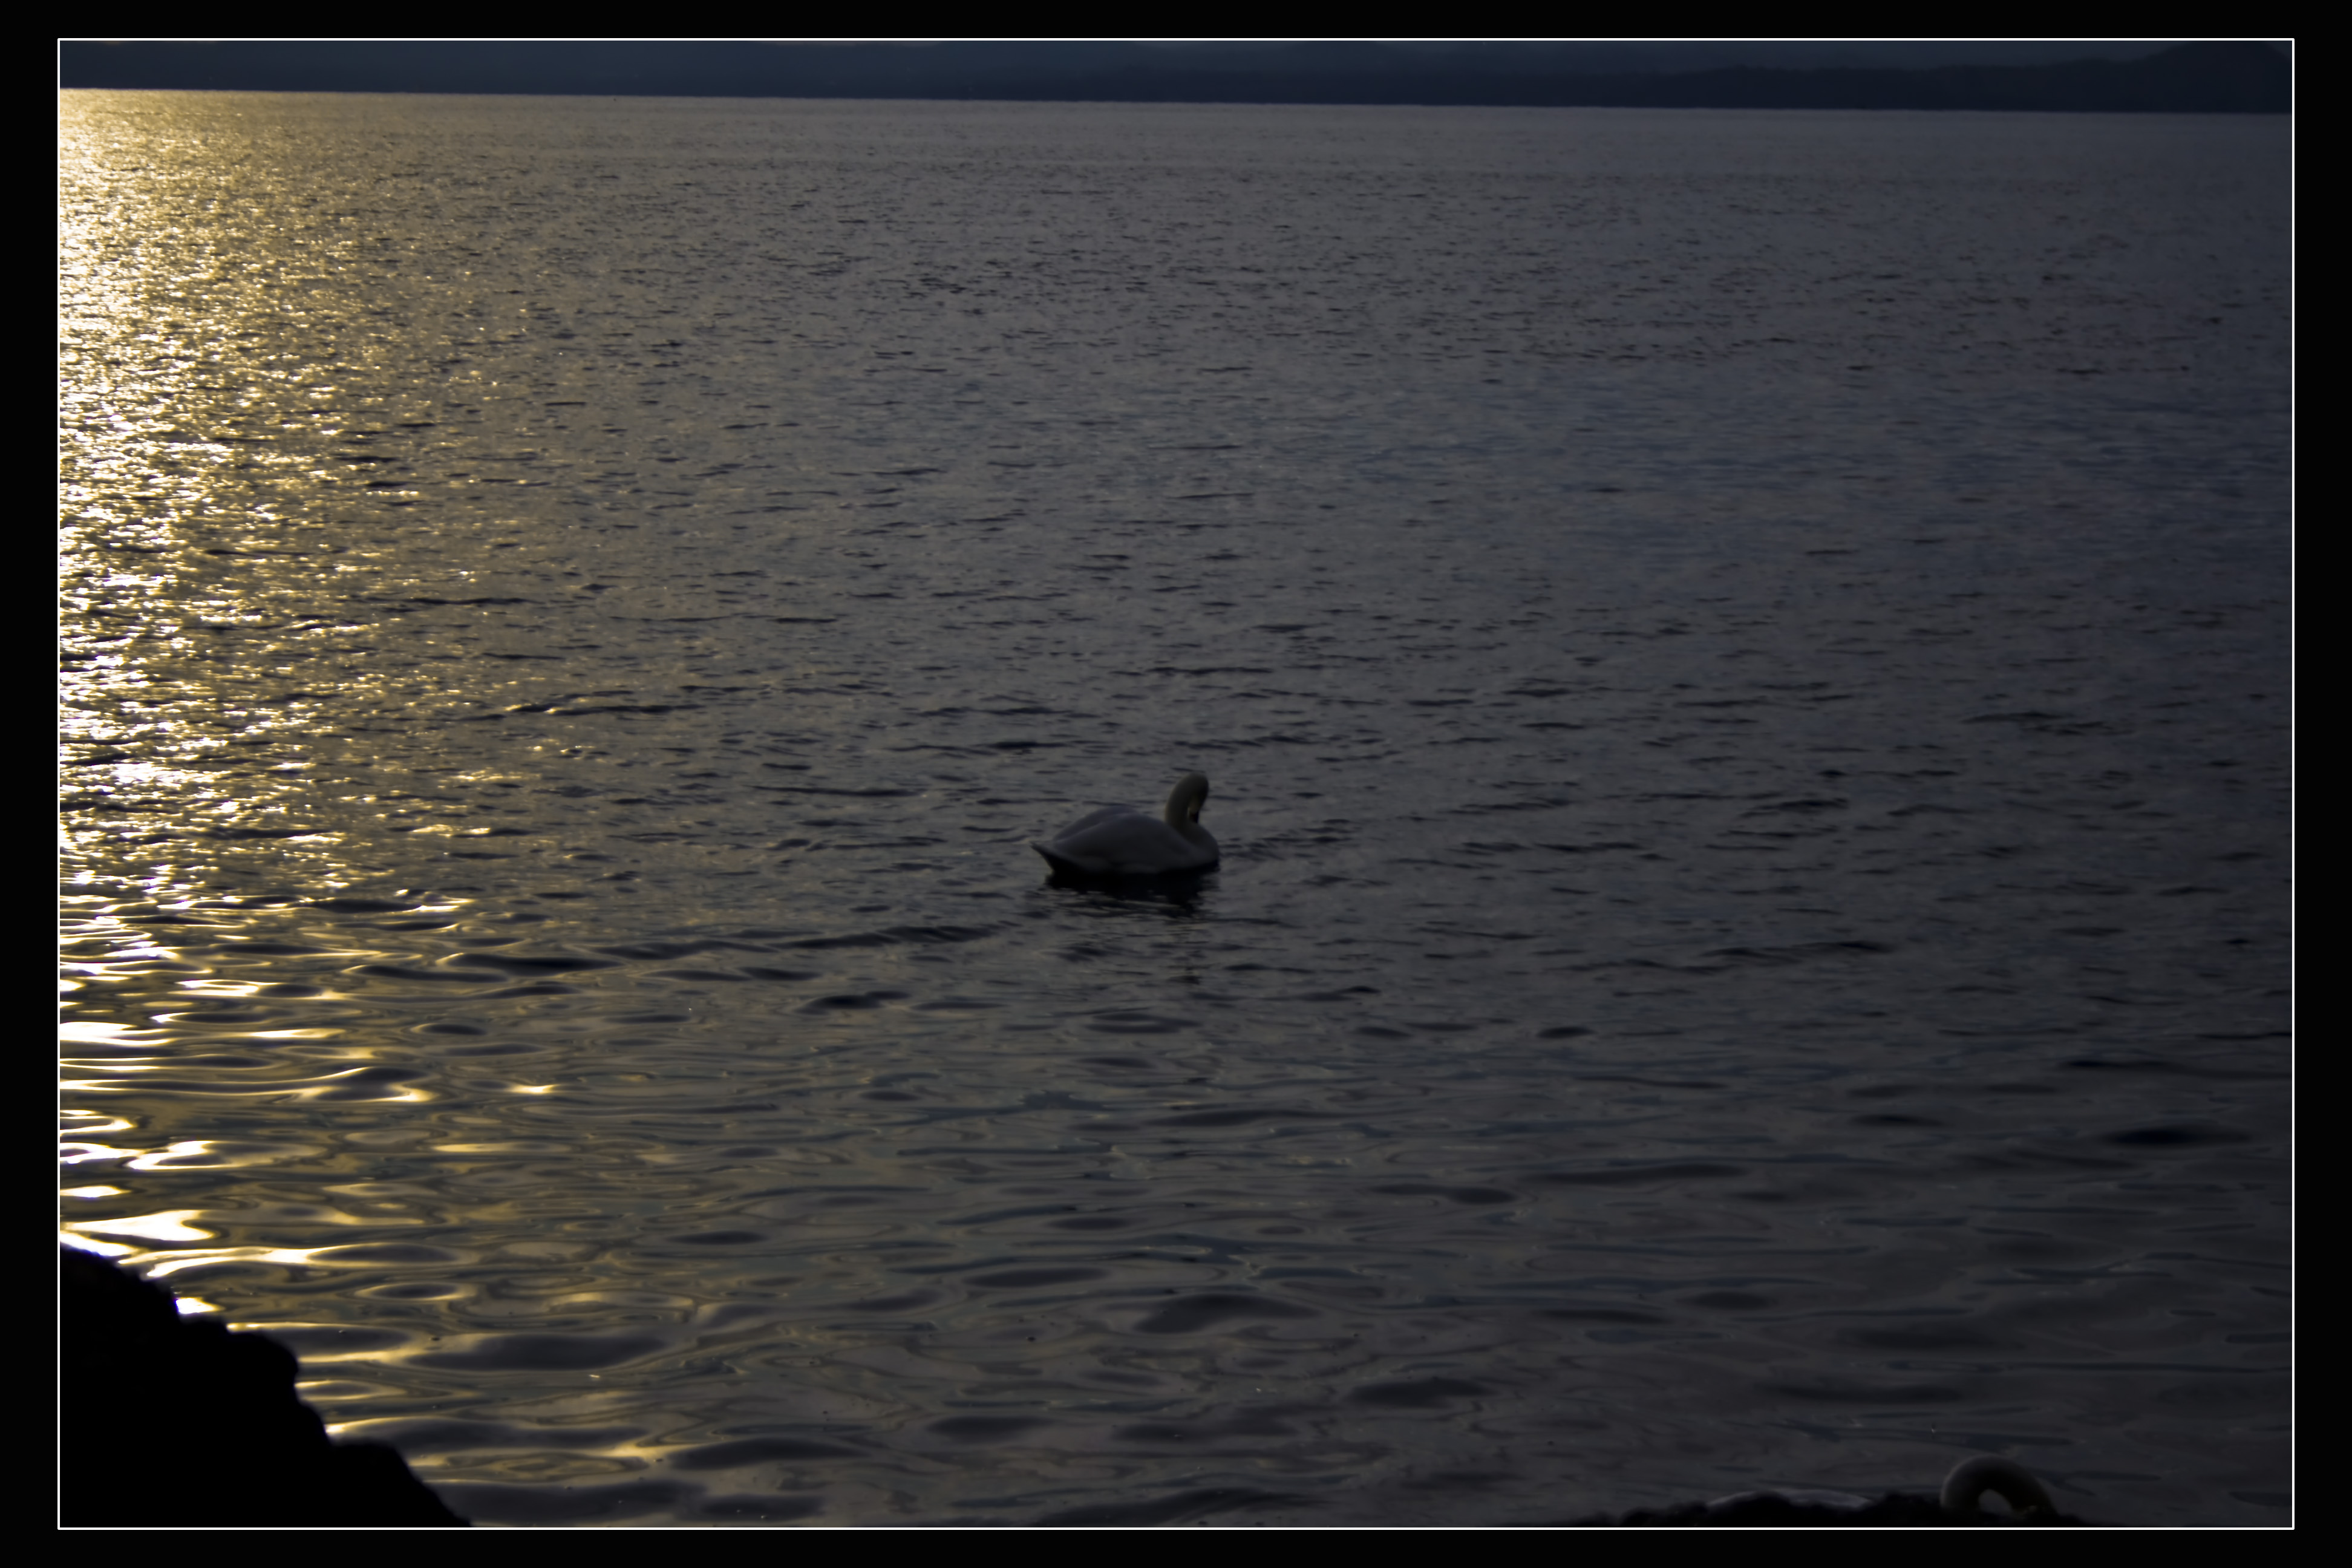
1184, 813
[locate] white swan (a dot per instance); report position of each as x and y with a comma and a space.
1121, 841
1971, 1478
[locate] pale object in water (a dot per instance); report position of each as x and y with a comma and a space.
1121, 841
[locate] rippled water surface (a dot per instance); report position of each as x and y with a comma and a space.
1742, 661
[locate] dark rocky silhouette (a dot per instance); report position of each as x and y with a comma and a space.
1960, 1504
1894, 1509
174, 1422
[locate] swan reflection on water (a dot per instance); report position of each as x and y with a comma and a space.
1179, 897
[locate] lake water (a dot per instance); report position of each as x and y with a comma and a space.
1743, 665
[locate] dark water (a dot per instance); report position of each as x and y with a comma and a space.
1743, 665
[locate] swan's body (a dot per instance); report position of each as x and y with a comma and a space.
1121, 841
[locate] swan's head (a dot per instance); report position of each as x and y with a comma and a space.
1185, 802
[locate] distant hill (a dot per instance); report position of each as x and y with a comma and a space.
2186, 79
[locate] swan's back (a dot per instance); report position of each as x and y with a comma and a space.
1121, 841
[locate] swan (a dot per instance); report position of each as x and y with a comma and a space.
1121, 841
1971, 1478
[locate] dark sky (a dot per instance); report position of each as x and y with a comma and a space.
1900, 74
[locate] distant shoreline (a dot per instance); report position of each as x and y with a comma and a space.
2226, 77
